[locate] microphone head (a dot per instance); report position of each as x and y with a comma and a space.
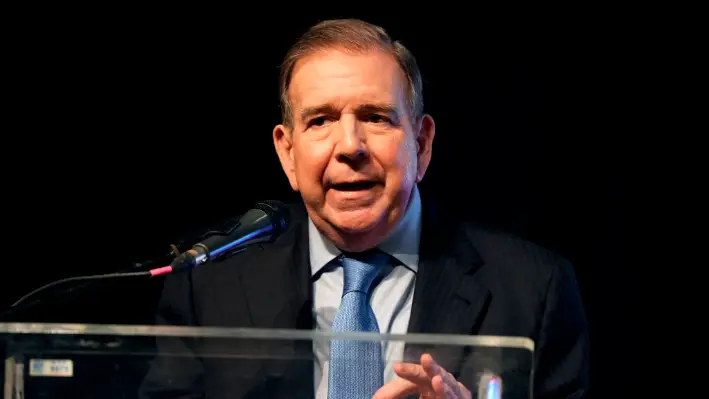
278, 213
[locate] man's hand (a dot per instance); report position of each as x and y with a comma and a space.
427, 379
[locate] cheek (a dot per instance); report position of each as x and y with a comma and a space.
310, 160
398, 157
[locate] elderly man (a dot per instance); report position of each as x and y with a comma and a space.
365, 251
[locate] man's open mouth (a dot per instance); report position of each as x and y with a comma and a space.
355, 186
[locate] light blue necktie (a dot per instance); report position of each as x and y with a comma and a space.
356, 367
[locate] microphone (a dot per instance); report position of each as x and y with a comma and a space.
263, 223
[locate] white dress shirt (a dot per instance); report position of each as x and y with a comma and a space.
391, 299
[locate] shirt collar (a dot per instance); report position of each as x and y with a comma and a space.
402, 243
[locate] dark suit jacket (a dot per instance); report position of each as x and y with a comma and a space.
471, 280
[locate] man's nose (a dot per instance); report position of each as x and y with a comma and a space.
351, 143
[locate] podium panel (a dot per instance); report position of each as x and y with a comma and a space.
111, 361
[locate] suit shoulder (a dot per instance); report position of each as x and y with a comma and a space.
514, 254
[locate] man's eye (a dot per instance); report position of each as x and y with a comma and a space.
374, 118
319, 121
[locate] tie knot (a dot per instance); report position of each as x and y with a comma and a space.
361, 269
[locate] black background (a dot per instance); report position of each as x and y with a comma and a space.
137, 128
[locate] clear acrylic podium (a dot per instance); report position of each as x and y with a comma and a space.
111, 361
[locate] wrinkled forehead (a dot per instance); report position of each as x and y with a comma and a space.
345, 79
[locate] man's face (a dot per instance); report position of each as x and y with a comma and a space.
353, 151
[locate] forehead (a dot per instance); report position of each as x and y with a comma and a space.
343, 78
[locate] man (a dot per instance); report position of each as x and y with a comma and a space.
354, 142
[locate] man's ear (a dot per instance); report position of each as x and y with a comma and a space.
424, 144
283, 141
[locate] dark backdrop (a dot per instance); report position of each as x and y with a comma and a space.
136, 130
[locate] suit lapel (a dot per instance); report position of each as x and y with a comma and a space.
268, 282
450, 296
269, 277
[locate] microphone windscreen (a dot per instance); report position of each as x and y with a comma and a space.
278, 212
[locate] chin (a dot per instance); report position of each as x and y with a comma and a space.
356, 221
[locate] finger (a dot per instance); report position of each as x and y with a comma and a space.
443, 391
453, 384
447, 379
465, 392
430, 366
414, 373
396, 388
439, 387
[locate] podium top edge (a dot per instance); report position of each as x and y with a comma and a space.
256, 333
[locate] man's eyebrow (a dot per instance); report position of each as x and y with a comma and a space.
386, 108
319, 109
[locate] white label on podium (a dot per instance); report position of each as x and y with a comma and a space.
51, 368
